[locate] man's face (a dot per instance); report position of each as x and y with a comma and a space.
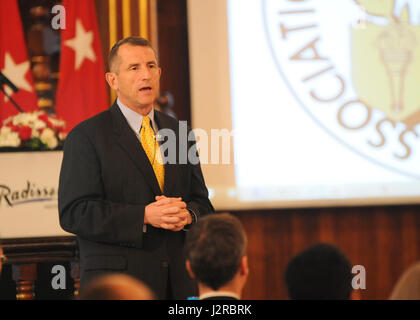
137, 78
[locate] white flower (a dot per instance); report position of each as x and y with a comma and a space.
35, 133
10, 139
47, 133
57, 123
5, 130
39, 124
48, 137
32, 117
22, 119
62, 136
52, 143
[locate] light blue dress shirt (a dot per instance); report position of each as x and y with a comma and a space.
135, 119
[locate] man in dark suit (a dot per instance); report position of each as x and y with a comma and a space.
216, 257
128, 209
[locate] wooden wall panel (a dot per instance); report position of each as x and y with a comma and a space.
384, 240
102, 16
173, 54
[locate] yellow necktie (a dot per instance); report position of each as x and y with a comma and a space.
151, 147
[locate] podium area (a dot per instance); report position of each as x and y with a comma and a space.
30, 267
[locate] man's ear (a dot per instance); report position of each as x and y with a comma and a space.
243, 266
111, 78
188, 266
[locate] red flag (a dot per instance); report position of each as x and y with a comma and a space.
81, 91
14, 63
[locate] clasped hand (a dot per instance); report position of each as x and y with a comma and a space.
167, 213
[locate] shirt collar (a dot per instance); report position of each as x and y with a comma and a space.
135, 119
218, 294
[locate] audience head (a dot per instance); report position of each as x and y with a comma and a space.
116, 287
215, 248
319, 272
408, 286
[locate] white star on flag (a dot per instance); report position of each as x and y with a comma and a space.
82, 45
16, 74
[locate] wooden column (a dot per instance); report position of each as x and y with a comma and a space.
25, 254
25, 275
43, 53
75, 275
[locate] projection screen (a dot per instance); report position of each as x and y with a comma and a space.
313, 103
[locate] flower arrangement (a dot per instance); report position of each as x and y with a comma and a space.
33, 130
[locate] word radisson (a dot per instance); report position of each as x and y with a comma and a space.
31, 193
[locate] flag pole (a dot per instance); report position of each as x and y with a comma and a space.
11, 99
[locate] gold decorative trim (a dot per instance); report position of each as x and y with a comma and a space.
39, 59
126, 8
112, 16
112, 22
153, 34
144, 18
44, 103
42, 86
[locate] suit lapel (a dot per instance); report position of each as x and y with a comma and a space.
171, 170
127, 139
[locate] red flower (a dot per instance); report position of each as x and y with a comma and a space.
12, 126
25, 133
43, 117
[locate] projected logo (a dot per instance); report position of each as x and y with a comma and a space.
354, 66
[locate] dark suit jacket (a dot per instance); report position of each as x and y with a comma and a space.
106, 180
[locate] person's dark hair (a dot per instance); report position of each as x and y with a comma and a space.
134, 41
320, 272
214, 247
